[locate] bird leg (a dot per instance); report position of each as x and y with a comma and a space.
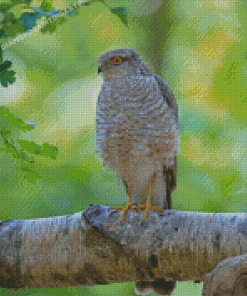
127, 207
147, 206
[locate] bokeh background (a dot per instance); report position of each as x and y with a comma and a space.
197, 46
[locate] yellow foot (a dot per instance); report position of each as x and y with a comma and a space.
147, 206
125, 209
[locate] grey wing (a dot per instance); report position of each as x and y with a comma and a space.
100, 128
167, 94
169, 173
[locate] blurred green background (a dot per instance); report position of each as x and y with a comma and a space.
198, 47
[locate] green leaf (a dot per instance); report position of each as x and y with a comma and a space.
7, 77
13, 29
30, 147
21, 1
8, 148
4, 7
3, 81
47, 5
46, 149
51, 27
5, 66
5, 133
13, 120
9, 16
122, 13
17, 10
49, 150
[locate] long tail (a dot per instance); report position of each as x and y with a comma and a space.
170, 175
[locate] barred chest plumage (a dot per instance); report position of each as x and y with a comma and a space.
131, 116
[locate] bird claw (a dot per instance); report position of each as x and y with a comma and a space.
146, 207
125, 209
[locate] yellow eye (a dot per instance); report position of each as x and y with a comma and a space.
117, 60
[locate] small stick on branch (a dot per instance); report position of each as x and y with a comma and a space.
93, 247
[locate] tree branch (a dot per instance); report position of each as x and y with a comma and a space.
93, 247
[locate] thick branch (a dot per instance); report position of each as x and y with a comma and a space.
93, 247
228, 278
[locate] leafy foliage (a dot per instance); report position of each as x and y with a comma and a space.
22, 150
29, 19
6, 76
18, 17
46, 5
4, 7
13, 121
46, 149
122, 13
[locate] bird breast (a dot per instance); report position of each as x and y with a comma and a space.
130, 113
132, 100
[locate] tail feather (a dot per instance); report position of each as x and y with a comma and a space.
170, 176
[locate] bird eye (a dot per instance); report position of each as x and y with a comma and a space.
117, 60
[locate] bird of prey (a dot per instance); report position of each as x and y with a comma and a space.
137, 130
137, 137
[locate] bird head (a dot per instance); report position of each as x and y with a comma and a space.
120, 63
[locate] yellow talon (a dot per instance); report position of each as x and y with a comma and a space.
129, 206
147, 206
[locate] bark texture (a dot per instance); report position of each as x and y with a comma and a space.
93, 247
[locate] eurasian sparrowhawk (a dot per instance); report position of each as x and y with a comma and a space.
137, 137
137, 129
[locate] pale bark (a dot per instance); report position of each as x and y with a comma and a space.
93, 247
